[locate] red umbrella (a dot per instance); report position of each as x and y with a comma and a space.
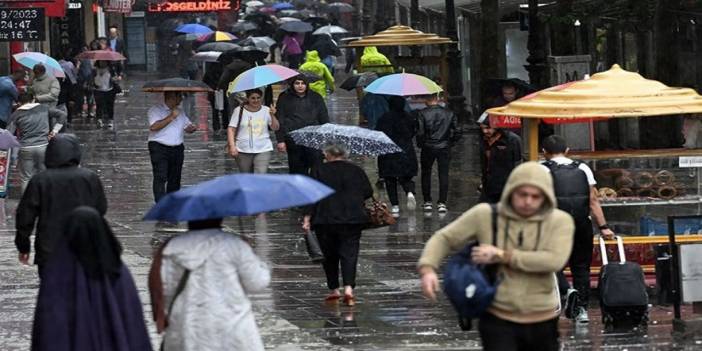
102, 55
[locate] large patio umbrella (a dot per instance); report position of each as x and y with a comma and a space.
615, 93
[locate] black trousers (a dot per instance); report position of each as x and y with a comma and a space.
167, 164
301, 158
105, 105
427, 159
220, 119
340, 246
579, 262
501, 335
391, 187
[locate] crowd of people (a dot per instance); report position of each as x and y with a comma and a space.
199, 280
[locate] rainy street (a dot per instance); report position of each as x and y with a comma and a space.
391, 313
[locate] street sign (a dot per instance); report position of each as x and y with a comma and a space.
22, 24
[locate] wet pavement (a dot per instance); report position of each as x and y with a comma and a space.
391, 314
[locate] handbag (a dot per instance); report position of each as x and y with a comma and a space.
314, 250
378, 214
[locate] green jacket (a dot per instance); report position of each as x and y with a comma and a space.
371, 57
314, 65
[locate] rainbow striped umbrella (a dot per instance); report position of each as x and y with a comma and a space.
217, 36
403, 84
31, 59
260, 76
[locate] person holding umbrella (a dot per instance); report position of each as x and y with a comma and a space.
299, 107
247, 136
104, 83
167, 126
339, 219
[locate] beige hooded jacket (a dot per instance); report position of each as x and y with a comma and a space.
527, 291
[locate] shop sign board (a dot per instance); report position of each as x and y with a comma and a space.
121, 6
22, 24
195, 6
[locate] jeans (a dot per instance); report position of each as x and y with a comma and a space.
254, 163
579, 263
391, 187
501, 335
427, 159
340, 244
105, 105
301, 159
167, 164
31, 162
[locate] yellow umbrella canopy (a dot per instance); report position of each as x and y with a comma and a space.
613, 93
399, 36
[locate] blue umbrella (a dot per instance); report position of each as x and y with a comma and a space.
193, 28
238, 195
283, 6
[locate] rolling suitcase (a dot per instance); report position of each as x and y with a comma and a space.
622, 288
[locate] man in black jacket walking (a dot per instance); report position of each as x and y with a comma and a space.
437, 131
299, 107
52, 194
500, 153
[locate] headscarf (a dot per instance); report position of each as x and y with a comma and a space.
91, 240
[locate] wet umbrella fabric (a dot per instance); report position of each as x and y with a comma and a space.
260, 76
289, 19
244, 26
216, 36
102, 55
193, 28
359, 141
403, 84
254, 3
249, 54
310, 77
330, 30
238, 195
7, 140
217, 46
298, 27
283, 6
176, 84
359, 80
31, 59
340, 7
206, 56
259, 42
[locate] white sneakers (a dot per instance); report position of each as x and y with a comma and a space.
441, 207
411, 202
395, 211
582, 317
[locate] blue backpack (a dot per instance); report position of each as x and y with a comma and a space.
471, 288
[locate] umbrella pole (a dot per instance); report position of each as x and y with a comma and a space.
533, 135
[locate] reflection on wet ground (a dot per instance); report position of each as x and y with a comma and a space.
391, 314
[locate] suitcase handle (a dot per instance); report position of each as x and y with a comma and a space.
603, 250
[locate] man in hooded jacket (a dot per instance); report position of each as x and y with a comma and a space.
52, 194
299, 107
313, 64
534, 240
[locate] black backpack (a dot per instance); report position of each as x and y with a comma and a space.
571, 187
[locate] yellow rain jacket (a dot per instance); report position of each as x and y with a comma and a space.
371, 57
314, 65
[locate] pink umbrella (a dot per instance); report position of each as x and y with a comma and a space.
102, 55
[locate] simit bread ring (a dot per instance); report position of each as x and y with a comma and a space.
667, 192
607, 193
644, 179
664, 178
624, 182
646, 192
625, 192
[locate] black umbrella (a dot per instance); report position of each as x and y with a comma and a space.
299, 27
340, 7
309, 76
243, 27
176, 84
249, 54
217, 46
359, 80
317, 22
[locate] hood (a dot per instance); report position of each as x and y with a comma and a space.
41, 77
63, 151
312, 56
192, 249
534, 174
370, 50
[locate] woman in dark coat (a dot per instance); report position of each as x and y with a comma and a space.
338, 220
400, 168
87, 297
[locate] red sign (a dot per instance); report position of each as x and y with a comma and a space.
52, 8
195, 6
